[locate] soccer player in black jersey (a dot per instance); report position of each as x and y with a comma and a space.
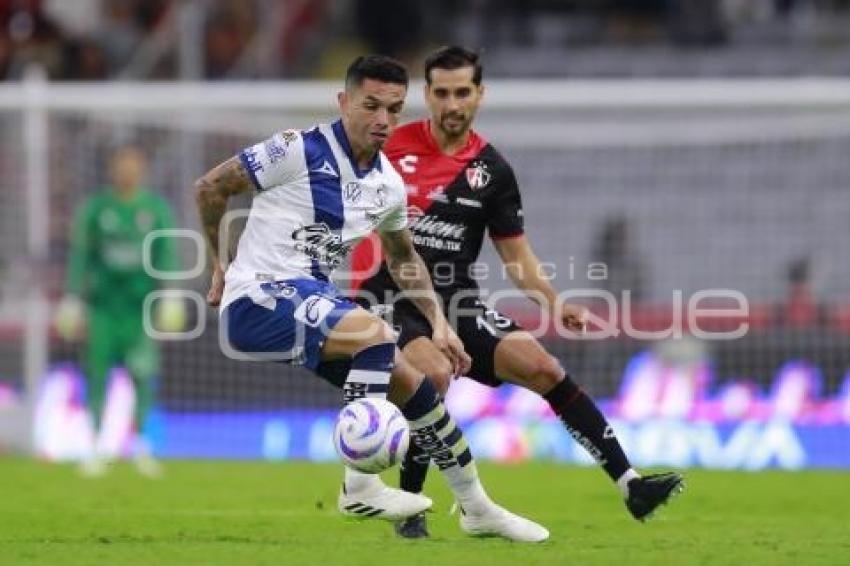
460, 187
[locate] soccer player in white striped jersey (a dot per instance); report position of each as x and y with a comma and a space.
317, 193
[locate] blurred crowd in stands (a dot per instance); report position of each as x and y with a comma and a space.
143, 39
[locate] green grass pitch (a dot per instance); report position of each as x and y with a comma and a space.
284, 514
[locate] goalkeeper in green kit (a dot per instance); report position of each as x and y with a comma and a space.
105, 292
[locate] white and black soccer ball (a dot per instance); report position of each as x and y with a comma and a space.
371, 435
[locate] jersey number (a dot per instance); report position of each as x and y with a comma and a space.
499, 321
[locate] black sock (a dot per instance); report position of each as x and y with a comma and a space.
369, 374
414, 469
588, 426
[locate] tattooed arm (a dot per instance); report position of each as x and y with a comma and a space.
212, 191
411, 275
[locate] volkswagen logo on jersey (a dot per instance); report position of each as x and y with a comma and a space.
352, 192
477, 175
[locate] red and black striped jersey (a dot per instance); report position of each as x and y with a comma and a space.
452, 201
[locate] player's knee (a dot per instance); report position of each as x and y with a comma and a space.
548, 372
385, 333
441, 375
378, 332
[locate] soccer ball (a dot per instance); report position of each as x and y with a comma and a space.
371, 435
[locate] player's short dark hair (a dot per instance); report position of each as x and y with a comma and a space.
375, 67
454, 57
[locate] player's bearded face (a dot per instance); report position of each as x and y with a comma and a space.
371, 113
453, 99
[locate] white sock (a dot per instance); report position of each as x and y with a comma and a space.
467, 488
436, 433
623, 481
463, 480
358, 481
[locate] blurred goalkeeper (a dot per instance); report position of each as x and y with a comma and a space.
458, 188
105, 292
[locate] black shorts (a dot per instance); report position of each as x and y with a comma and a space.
479, 327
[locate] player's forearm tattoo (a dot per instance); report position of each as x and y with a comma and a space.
410, 273
211, 194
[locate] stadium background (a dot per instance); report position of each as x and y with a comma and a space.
689, 145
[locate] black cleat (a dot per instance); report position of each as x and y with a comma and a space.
412, 527
648, 492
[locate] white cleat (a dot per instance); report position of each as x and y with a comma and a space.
497, 521
380, 501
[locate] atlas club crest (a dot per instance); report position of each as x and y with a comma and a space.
477, 175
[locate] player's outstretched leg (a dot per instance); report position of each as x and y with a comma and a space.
520, 359
647, 493
371, 347
432, 429
365, 496
589, 427
435, 432
422, 353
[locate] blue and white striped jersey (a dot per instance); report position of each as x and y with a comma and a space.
312, 204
